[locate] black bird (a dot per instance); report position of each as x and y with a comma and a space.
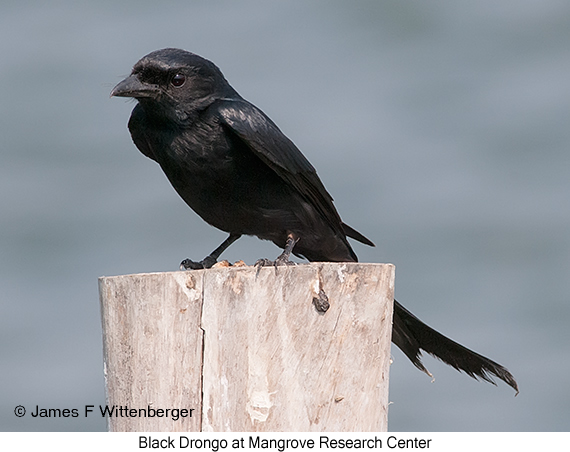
234, 167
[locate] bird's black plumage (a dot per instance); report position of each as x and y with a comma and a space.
234, 167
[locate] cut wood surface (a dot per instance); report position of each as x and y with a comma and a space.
247, 350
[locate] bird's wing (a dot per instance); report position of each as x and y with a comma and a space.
278, 152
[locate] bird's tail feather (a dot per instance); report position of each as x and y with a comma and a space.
411, 335
353, 233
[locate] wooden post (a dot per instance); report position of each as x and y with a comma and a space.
247, 350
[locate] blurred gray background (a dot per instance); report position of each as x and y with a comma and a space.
440, 128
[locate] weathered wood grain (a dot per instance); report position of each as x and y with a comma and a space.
247, 349
152, 344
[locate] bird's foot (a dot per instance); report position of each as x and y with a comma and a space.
207, 262
282, 260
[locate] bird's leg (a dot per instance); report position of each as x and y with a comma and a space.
283, 258
212, 258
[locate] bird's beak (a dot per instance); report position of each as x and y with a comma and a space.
133, 87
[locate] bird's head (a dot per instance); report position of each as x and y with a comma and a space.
174, 83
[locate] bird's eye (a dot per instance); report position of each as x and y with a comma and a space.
178, 80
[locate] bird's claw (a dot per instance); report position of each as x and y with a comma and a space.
188, 264
263, 263
279, 262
